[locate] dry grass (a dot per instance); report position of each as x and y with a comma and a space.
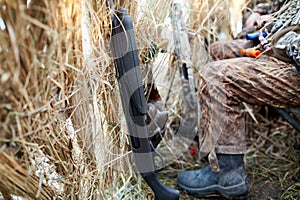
273, 157
62, 133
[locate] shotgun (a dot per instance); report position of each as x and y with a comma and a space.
129, 77
187, 127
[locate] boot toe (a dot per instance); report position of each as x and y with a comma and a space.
187, 179
198, 182
233, 183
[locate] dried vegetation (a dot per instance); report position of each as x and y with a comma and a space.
62, 132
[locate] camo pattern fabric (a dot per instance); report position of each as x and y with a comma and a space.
227, 82
183, 52
288, 15
285, 45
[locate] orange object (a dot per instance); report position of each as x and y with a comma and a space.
250, 53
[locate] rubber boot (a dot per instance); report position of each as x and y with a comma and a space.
231, 181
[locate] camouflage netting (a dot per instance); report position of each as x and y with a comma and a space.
62, 132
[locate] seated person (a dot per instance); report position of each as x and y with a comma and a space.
271, 79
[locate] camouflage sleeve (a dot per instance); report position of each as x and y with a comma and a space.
228, 49
285, 44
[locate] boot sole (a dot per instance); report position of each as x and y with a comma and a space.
238, 190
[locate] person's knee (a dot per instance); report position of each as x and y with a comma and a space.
211, 69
